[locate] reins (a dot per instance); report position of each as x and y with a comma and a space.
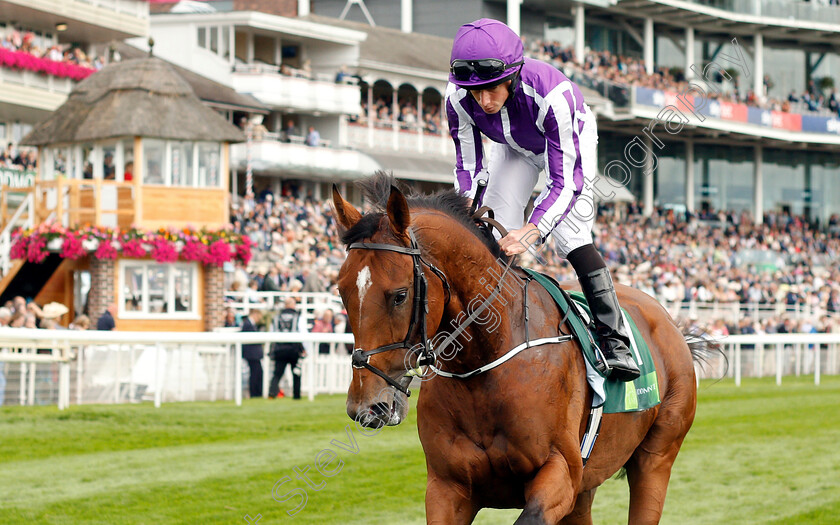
420, 309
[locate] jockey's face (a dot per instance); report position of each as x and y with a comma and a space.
491, 100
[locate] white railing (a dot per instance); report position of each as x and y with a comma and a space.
302, 94
31, 79
138, 8
6, 235
120, 367
307, 303
273, 155
778, 354
398, 139
735, 311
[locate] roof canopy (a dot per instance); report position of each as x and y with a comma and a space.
142, 97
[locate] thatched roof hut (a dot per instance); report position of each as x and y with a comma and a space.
134, 98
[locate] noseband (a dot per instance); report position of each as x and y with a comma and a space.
419, 310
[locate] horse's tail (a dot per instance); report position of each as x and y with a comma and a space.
703, 346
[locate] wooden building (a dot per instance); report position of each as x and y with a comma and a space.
133, 148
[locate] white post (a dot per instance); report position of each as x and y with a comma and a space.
420, 123
63, 385
266, 362
758, 185
303, 7
737, 364
370, 116
406, 19
758, 64
778, 364
80, 359
513, 20
237, 374
232, 39
313, 372
689, 52
395, 113
689, 175
580, 28
647, 178
759, 359
817, 364
22, 395
158, 382
117, 375
31, 398
648, 47
249, 48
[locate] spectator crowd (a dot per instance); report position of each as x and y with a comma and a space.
681, 259
626, 70
27, 42
18, 159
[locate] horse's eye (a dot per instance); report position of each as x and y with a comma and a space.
400, 297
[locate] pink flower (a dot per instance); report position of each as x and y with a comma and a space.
72, 247
194, 251
105, 250
163, 251
218, 253
133, 248
19, 246
36, 251
243, 250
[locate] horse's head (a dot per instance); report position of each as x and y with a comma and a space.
385, 290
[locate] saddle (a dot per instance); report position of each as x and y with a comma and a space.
613, 395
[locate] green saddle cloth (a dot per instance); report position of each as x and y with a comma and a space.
621, 396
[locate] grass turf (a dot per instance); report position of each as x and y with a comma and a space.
756, 454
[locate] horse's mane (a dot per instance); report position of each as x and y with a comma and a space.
376, 190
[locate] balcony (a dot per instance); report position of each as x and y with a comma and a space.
87, 20
273, 156
390, 139
28, 89
782, 9
293, 93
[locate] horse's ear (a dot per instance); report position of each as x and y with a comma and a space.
346, 214
398, 212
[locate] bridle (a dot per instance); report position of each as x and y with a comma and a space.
419, 310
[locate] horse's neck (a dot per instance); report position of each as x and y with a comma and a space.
479, 284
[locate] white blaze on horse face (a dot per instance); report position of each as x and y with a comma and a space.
363, 282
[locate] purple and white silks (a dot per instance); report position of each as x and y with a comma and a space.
543, 122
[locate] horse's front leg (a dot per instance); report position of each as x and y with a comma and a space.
448, 503
551, 495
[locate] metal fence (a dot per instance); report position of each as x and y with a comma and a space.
63, 367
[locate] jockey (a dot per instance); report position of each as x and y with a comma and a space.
536, 119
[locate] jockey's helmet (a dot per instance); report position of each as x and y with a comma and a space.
485, 53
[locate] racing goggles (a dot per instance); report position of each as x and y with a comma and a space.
484, 69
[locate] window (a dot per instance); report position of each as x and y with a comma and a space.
208, 165
150, 290
202, 37
182, 164
154, 153
214, 39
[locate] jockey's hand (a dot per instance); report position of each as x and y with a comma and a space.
518, 241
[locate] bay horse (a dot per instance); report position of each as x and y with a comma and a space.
510, 437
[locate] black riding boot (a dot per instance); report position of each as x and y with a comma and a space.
597, 285
609, 324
